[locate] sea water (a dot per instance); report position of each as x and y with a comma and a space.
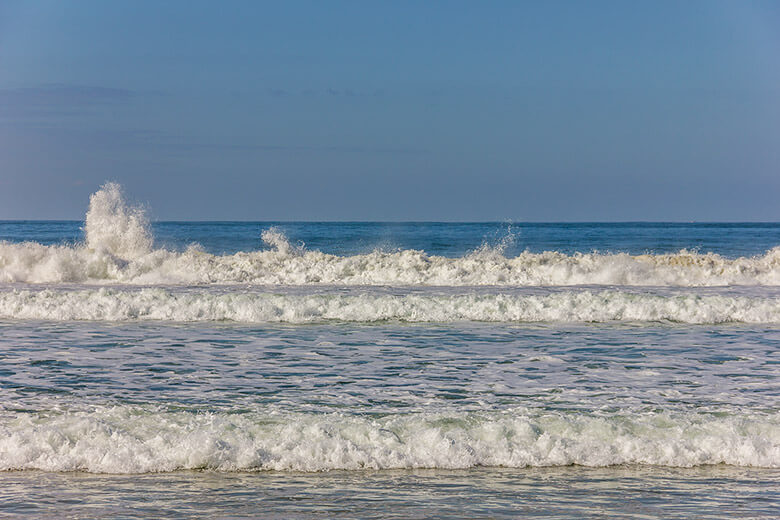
413, 370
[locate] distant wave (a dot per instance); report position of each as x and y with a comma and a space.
127, 439
118, 249
117, 304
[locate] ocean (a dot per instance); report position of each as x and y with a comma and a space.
387, 370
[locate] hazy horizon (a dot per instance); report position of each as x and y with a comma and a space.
512, 222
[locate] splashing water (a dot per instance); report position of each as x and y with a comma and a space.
114, 227
274, 238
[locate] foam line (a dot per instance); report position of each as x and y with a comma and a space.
158, 304
126, 439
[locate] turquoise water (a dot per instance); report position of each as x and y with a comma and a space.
379, 370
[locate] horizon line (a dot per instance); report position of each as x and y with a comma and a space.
504, 222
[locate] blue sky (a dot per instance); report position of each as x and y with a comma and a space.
546, 111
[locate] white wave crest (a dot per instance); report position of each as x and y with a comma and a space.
133, 440
249, 307
118, 249
35, 263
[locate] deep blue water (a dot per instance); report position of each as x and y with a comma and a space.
445, 239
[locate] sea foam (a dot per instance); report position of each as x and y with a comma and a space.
159, 304
125, 439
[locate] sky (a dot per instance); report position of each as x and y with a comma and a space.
402, 111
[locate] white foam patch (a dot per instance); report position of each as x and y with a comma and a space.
118, 249
115, 304
135, 440
31, 262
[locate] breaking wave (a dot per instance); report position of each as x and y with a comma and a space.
116, 304
118, 249
126, 439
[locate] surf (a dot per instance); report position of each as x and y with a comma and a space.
118, 248
136, 439
243, 306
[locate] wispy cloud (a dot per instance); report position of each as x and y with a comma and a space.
167, 144
326, 93
59, 99
49, 114
173, 144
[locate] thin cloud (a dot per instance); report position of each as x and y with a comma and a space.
59, 99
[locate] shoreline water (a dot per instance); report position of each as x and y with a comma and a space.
615, 492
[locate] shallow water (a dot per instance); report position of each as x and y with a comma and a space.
569, 492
